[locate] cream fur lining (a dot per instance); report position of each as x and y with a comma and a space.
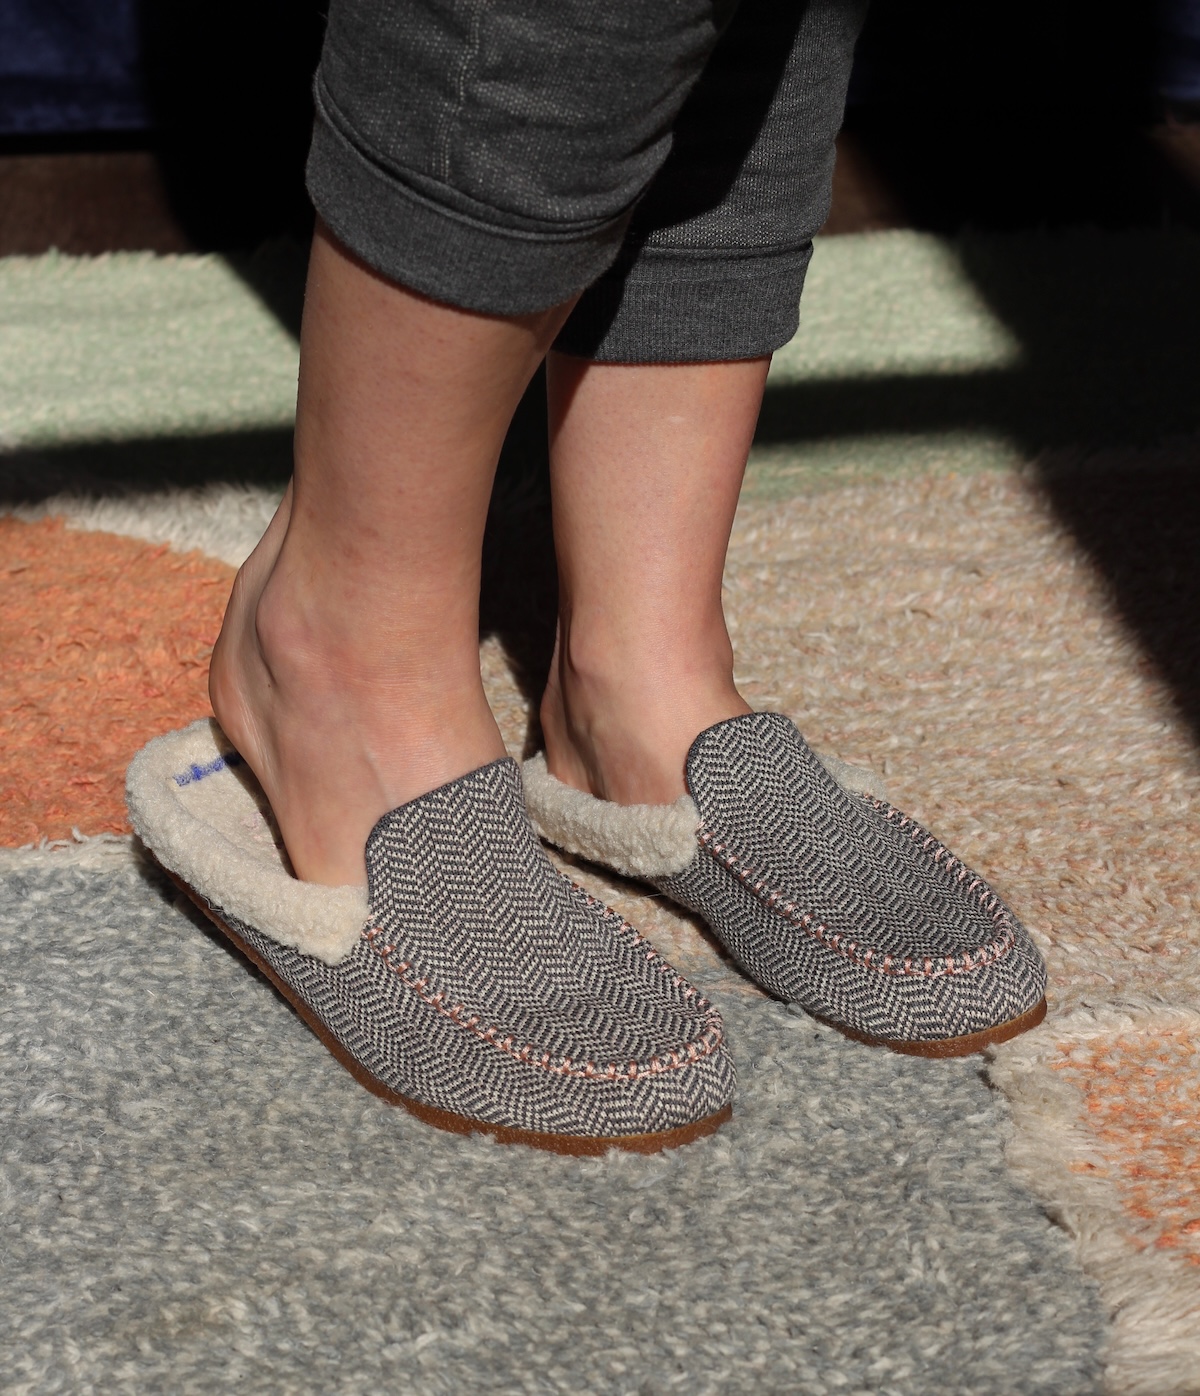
209, 823
638, 840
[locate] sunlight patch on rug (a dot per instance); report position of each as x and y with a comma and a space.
131, 345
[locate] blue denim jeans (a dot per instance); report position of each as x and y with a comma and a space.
668, 159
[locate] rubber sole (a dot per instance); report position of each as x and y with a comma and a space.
964, 1046
578, 1145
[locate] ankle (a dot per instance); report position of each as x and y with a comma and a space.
622, 732
319, 643
339, 722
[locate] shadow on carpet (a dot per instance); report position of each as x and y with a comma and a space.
1035, 350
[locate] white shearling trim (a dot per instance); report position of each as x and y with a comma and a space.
638, 840
215, 832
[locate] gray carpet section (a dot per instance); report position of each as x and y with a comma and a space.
197, 1198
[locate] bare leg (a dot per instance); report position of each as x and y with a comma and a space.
347, 671
646, 464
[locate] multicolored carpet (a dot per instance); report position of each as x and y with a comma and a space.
966, 556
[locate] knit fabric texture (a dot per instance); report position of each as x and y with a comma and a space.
839, 902
486, 984
671, 161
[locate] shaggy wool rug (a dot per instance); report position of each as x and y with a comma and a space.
964, 556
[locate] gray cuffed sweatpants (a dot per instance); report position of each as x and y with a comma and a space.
670, 159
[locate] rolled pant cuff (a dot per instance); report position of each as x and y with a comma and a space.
681, 308
465, 255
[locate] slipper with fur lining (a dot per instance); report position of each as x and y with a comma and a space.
822, 892
470, 982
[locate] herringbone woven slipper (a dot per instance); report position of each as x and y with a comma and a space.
473, 983
830, 899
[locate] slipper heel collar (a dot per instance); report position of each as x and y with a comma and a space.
638, 840
645, 841
197, 807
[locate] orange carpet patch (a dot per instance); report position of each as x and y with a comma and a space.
105, 643
1140, 1093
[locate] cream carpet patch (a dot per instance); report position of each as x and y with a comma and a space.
1107, 1126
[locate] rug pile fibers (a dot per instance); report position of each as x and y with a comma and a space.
963, 557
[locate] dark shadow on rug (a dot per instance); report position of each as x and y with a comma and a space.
1141, 529
100, 469
1109, 328
1108, 325
1104, 403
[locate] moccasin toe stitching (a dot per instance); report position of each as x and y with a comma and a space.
485, 989
408, 1036
841, 903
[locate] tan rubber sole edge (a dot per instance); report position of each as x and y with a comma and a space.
964, 1046
579, 1145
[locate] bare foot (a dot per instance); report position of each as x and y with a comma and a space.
623, 734
336, 736
646, 462
347, 670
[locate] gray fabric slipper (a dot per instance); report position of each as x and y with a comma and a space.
472, 983
829, 898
